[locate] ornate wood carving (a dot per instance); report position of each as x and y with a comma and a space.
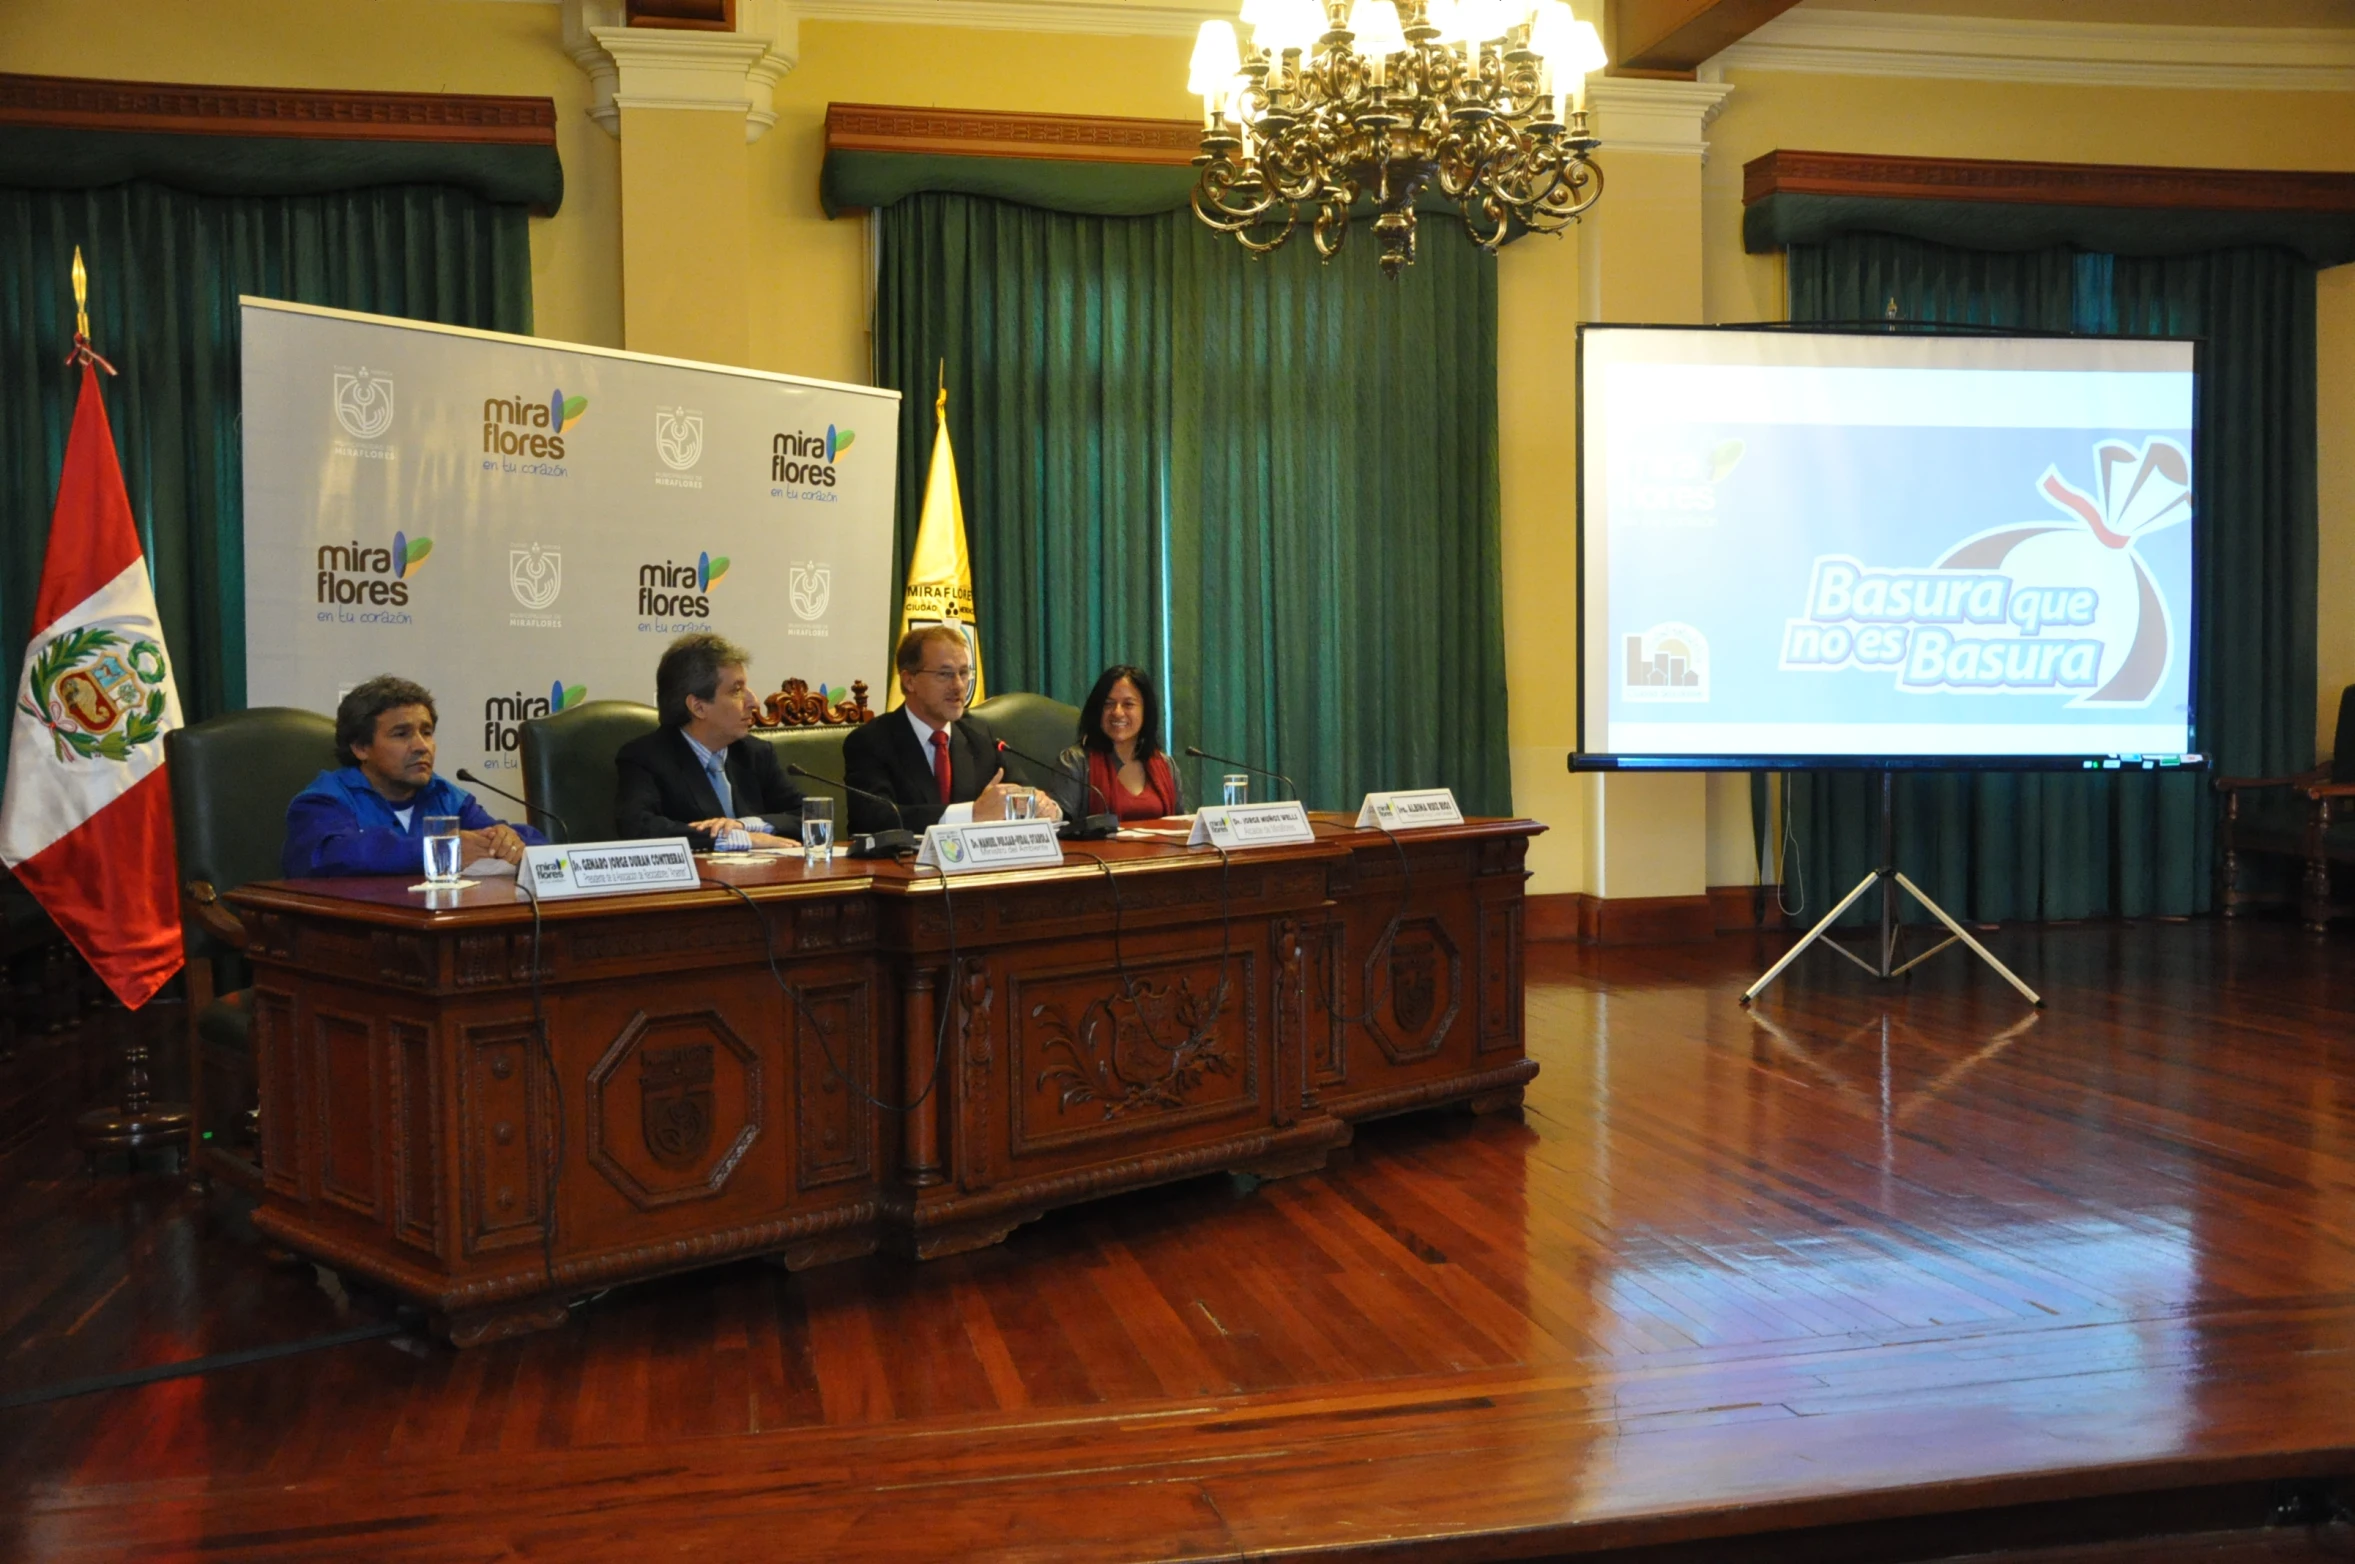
1079, 138
405, 959
1329, 1063
1135, 1052
634, 940
1093, 1055
502, 1129
1415, 987
1291, 1023
695, 1088
2045, 184
190, 109
833, 1122
417, 1146
796, 705
1501, 989
978, 1065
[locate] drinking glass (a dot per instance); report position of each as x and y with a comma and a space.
441, 849
1022, 806
817, 831
1236, 788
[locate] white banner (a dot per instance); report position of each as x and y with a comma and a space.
521, 525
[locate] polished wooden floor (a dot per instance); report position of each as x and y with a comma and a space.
1870, 1259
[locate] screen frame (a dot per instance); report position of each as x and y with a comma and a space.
1582, 759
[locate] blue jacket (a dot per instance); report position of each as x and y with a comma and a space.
340, 825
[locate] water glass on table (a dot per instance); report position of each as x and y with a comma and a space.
441, 849
817, 831
1235, 789
1022, 805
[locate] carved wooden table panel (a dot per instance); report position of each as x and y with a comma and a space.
1143, 1013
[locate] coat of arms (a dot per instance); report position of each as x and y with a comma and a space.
535, 575
1414, 984
678, 437
674, 1102
811, 586
363, 402
99, 693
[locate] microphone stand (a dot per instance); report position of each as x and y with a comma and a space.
1082, 827
1224, 760
866, 844
465, 775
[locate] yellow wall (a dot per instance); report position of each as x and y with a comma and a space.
806, 304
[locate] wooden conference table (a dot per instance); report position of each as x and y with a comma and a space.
920, 1067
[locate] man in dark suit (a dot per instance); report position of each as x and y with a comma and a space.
926, 755
700, 773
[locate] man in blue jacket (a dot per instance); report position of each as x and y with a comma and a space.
369, 817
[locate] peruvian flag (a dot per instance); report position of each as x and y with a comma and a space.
86, 821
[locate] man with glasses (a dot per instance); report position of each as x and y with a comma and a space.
926, 755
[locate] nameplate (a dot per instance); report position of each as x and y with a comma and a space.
662, 863
991, 844
1408, 811
1250, 825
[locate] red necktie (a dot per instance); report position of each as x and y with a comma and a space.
940, 761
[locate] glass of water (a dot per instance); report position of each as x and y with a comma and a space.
441, 849
1235, 788
1022, 805
817, 831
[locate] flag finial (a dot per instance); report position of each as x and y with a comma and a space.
940, 407
83, 353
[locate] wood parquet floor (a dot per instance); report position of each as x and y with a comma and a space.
1873, 1257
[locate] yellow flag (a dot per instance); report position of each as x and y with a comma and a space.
940, 577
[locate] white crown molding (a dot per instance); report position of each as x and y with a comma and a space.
678, 68
1115, 18
1632, 114
2101, 54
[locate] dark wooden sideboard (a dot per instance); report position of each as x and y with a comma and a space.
816, 1064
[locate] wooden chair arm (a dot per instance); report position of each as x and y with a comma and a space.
2307, 778
2322, 790
205, 905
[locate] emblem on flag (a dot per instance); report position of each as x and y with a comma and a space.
99, 695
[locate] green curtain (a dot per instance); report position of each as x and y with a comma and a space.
2038, 846
1273, 480
166, 268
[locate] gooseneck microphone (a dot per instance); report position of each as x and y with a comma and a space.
465, 775
1082, 826
1244, 765
866, 844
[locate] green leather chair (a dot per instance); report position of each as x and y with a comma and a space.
1033, 723
568, 766
820, 749
231, 780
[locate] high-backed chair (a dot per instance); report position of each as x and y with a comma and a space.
568, 766
820, 749
231, 778
1034, 723
2309, 817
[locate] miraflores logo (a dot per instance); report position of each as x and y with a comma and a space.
809, 587
670, 589
1674, 487
2058, 607
535, 575
358, 583
363, 403
806, 461
521, 426
678, 437
503, 717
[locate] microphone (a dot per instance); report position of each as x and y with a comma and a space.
867, 844
1225, 760
465, 775
1084, 827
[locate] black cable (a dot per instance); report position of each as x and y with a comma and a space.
552, 1165
768, 936
186, 1367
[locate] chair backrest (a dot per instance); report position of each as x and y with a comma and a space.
2342, 755
568, 766
232, 777
1030, 722
820, 749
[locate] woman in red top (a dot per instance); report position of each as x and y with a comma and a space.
1118, 757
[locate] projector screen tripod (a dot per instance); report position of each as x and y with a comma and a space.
1885, 875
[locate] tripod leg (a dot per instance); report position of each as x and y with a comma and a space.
1963, 934
1822, 928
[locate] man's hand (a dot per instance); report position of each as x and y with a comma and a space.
764, 839
991, 805
716, 825
493, 841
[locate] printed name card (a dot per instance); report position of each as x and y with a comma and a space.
1250, 825
1408, 811
994, 844
609, 868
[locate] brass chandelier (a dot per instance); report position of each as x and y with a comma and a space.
1383, 99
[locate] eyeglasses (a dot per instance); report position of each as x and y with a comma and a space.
950, 675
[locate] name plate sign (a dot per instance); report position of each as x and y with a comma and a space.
661, 863
993, 844
1410, 810
1250, 825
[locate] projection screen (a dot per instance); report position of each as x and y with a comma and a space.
1808, 548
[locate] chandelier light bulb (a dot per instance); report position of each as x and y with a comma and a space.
1442, 15
1217, 58
1482, 20
1379, 33
1286, 24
